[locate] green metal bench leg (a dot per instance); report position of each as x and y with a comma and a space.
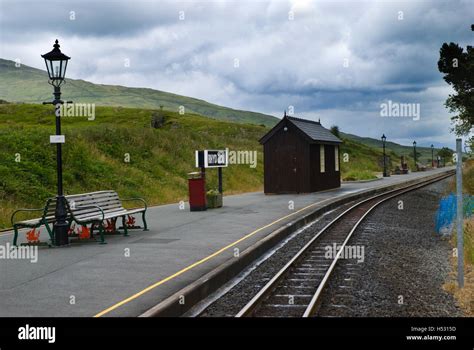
101, 232
15, 236
124, 225
50, 232
145, 227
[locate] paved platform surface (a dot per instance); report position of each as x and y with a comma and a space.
88, 279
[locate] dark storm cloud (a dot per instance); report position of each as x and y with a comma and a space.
92, 18
340, 59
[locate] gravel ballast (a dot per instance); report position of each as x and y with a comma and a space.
405, 265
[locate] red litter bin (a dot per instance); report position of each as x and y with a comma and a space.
197, 191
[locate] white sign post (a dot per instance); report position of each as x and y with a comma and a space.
213, 159
459, 228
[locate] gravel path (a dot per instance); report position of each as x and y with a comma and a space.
405, 264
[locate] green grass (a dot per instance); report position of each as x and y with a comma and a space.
353, 175
469, 241
160, 159
363, 162
15, 81
468, 177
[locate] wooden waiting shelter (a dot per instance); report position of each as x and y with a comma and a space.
300, 156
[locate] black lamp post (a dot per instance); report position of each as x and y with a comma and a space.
432, 159
384, 138
414, 152
56, 63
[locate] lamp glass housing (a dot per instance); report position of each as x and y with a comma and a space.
56, 64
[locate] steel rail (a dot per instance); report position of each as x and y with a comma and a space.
266, 291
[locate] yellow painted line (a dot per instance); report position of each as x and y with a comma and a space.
197, 263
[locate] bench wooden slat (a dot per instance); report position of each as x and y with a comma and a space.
82, 200
81, 211
93, 198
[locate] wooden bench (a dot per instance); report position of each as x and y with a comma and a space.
84, 209
96, 207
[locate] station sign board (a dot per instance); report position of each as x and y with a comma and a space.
212, 158
57, 139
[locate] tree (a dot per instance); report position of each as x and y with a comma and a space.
470, 145
335, 130
457, 66
445, 153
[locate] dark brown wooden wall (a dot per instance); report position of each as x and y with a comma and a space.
286, 163
330, 178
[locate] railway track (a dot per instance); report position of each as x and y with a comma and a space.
296, 289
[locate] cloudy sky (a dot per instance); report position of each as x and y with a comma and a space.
334, 60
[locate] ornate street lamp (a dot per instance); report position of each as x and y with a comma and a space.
56, 63
384, 138
432, 159
414, 152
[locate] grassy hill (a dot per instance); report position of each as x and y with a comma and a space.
16, 81
160, 159
364, 162
424, 153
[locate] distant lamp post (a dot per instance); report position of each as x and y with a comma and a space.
56, 63
432, 156
414, 153
384, 138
